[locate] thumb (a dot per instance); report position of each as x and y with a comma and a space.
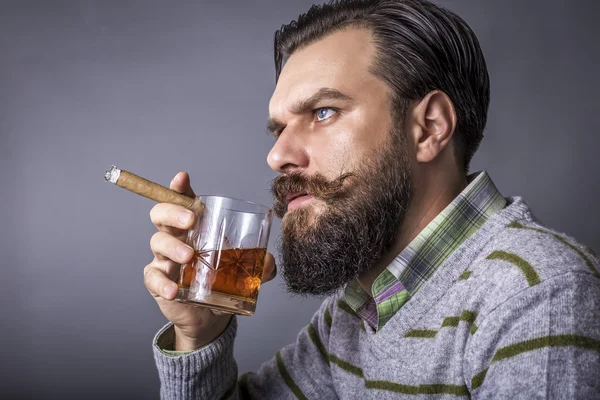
181, 184
270, 269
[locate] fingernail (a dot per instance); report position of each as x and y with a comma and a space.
185, 217
184, 251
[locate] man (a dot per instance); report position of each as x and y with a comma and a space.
438, 285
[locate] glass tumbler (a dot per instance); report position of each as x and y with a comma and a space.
230, 241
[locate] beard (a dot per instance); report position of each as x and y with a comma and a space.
321, 251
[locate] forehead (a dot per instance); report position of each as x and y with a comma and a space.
340, 61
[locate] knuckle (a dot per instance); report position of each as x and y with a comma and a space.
152, 279
147, 273
155, 241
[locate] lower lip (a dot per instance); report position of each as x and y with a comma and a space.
297, 202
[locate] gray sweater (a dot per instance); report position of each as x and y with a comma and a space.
513, 313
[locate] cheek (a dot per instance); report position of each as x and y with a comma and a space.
342, 147
332, 154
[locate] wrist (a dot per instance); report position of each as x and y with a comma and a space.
185, 341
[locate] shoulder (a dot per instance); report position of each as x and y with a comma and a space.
537, 251
526, 255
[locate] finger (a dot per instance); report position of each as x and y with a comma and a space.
217, 312
164, 246
176, 233
165, 215
158, 284
168, 267
181, 183
269, 269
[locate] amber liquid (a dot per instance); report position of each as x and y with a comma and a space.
236, 272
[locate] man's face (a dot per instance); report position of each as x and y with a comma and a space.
344, 183
350, 114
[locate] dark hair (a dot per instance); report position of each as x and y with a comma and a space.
421, 47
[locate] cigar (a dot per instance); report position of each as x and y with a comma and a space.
149, 189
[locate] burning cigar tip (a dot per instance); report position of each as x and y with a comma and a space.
113, 174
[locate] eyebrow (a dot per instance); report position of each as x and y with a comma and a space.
307, 104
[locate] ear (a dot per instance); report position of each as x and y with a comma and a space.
432, 125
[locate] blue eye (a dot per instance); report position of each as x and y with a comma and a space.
324, 113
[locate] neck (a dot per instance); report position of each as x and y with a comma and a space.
433, 191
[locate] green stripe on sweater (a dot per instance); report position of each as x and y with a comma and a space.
327, 317
530, 274
547, 341
474, 329
581, 254
382, 385
397, 387
451, 321
465, 275
314, 336
346, 366
288, 379
421, 389
421, 333
478, 379
459, 390
564, 241
535, 344
468, 316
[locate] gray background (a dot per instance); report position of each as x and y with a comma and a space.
159, 87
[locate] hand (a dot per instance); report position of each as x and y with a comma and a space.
194, 326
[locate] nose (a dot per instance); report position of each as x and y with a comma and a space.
289, 153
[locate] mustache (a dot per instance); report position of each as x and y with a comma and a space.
314, 185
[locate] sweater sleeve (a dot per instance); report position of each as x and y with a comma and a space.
542, 343
202, 374
298, 371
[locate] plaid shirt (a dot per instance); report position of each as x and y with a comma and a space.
424, 255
